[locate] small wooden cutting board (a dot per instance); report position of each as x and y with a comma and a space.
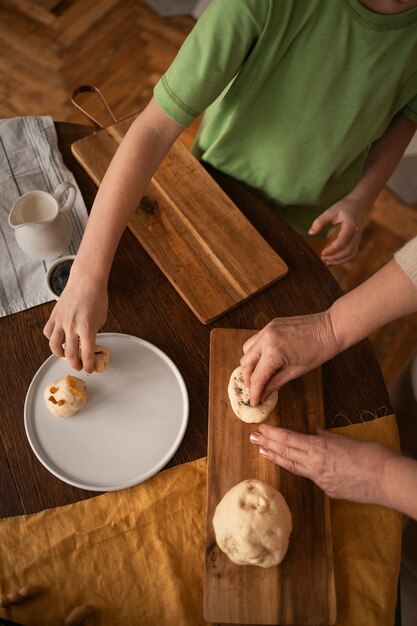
299, 591
204, 245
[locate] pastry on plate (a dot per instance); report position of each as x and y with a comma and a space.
66, 397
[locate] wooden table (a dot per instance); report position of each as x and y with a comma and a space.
354, 389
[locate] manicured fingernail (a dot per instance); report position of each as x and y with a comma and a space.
255, 437
264, 451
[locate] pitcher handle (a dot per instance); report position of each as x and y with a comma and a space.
59, 192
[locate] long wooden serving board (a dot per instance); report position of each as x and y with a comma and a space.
299, 591
196, 235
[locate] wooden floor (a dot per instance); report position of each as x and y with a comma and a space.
49, 47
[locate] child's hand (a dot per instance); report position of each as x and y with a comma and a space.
78, 315
349, 216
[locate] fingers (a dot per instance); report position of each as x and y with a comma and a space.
249, 343
87, 346
343, 257
319, 223
347, 215
283, 447
76, 318
285, 437
261, 375
260, 393
261, 362
281, 378
274, 384
341, 466
251, 354
253, 360
72, 351
286, 462
63, 344
339, 260
342, 253
348, 231
78, 350
264, 376
49, 327
56, 338
342, 245
248, 362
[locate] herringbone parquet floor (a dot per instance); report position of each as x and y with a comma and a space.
49, 47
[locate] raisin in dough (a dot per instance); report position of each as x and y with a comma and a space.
101, 359
240, 402
65, 397
252, 524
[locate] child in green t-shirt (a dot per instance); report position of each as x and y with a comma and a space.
311, 104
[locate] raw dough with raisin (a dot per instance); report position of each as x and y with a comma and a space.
252, 524
240, 400
66, 396
101, 359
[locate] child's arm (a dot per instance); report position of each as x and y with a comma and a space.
350, 212
82, 307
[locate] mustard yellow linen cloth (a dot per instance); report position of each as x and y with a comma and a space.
137, 556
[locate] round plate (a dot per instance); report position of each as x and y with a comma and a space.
133, 423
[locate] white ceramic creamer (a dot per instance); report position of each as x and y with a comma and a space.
41, 225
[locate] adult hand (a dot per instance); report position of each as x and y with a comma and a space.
78, 315
348, 215
342, 467
286, 348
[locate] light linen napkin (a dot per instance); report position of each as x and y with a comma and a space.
29, 160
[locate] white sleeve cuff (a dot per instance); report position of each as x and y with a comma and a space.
406, 258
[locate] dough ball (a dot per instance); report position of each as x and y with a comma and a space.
252, 524
240, 401
65, 397
101, 359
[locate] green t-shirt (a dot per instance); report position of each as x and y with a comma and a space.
294, 94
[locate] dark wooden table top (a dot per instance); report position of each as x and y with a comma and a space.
353, 386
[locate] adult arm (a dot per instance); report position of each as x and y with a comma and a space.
82, 307
349, 213
288, 347
344, 468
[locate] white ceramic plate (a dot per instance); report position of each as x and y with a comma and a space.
133, 423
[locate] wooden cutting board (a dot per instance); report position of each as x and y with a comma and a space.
200, 240
299, 591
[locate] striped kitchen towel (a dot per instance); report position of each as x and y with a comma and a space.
29, 159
